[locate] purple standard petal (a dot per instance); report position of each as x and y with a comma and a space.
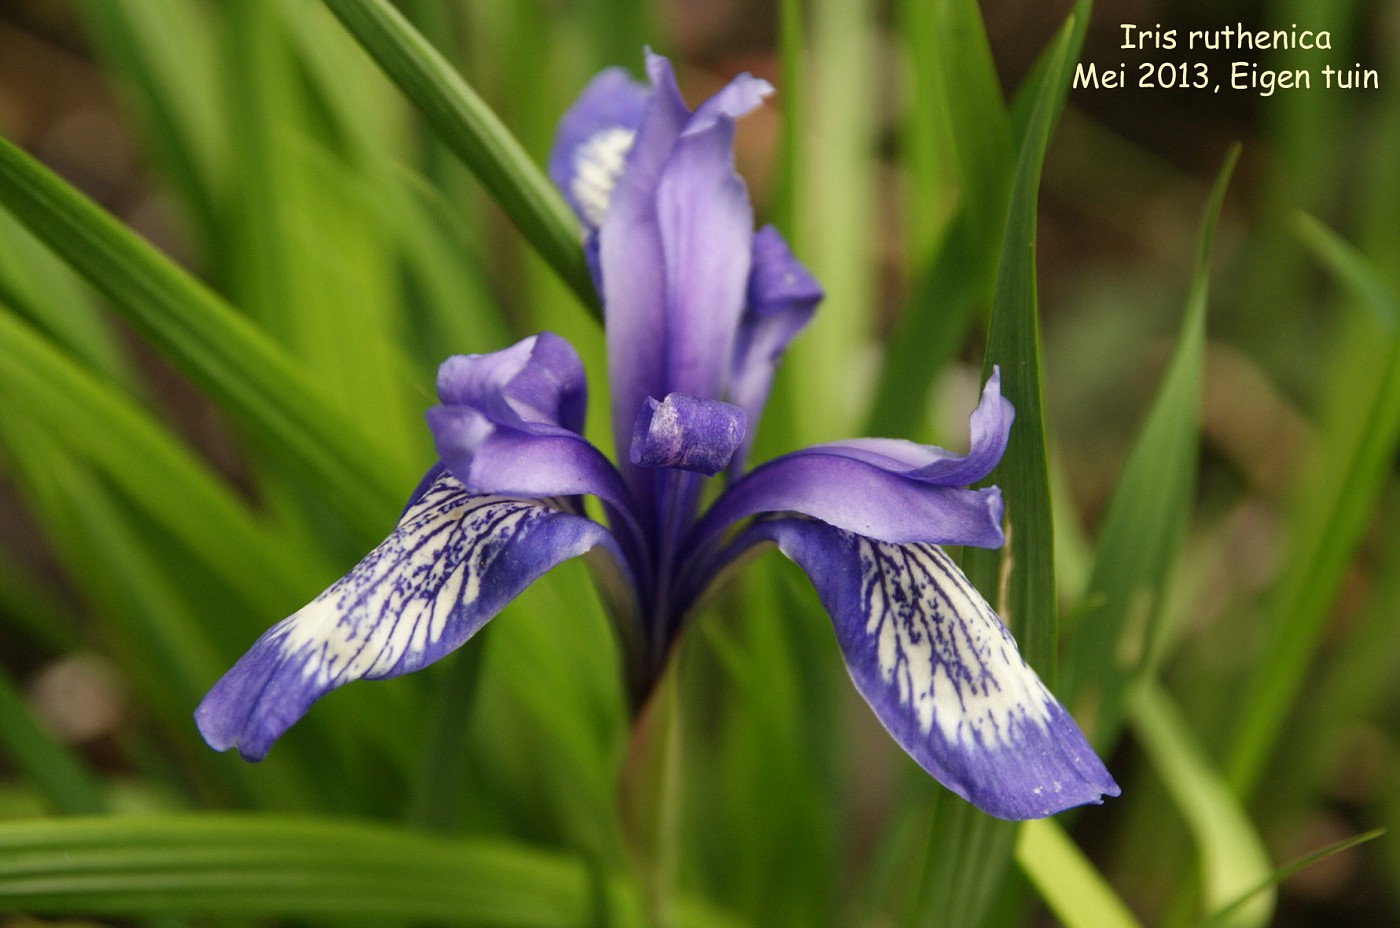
706, 226
782, 295
943, 674
632, 265
538, 380
860, 496
454, 560
592, 141
638, 284
687, 433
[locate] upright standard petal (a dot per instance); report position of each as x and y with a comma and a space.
782, 296
592, 141
706, 226
632, 264
943, 674
652, 254
454, 560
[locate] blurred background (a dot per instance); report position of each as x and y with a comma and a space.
260, 149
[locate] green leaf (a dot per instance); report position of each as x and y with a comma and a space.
171, 657
467, 125
163, 53
220, 350
1076, 892
1333, 506
971, 849
295, 204
178, 491
54, 770
1233, 861
270, 866
1013, 344
1147, 515
838, 179
1224, 915
37, 286
955, 84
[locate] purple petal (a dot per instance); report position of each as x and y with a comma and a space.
990, 427
706, 227
673, 253
632, 265
782, 295
454, 560
687, 433
537, 461
943, 674
990, 424
537, 380
858, 496
592, 141
739, 97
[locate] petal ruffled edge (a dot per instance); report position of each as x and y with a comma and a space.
859, 495
454, 560
538, 380
943, 674
989, 426
782, 297
592, 140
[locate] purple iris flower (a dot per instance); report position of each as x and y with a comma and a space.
699, 308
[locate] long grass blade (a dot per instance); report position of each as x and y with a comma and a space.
460, 118
268, 866
1076, 892
214, 345
1333, 506
971, 849
55, 772
1146, 519
173, 486
1233, 861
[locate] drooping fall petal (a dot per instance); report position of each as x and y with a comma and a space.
454, 561
942, 673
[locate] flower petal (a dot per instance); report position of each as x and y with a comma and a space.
539, 379
688, 433
537, 461
782, 296
990, 427
943, 674
592, 141
706, 225
632, 265
454, 560
642, 275
859, 495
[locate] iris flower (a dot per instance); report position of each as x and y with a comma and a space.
699, 308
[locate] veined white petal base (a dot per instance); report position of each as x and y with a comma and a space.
943, 674
454, 560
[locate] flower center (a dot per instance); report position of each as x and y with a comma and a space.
598, 164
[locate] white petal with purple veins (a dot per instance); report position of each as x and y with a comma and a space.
942, 673
454, 561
